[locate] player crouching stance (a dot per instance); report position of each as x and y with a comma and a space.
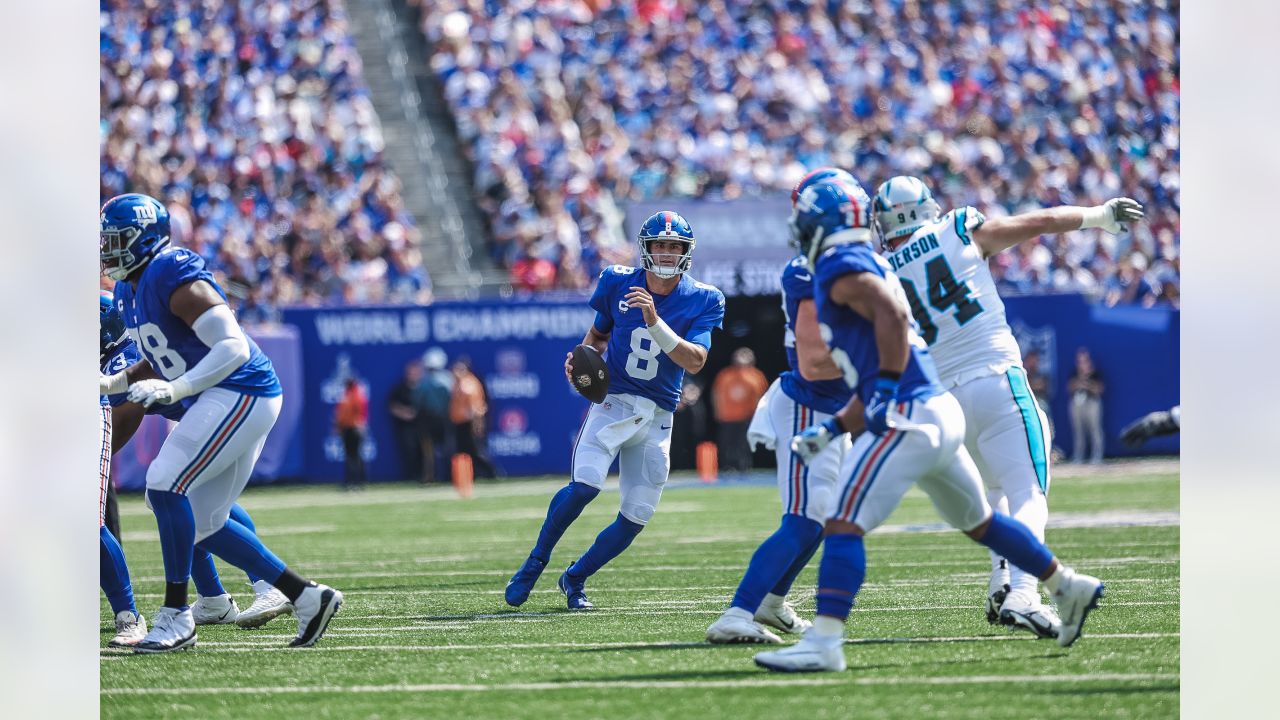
179, 318
915, 431
652, 325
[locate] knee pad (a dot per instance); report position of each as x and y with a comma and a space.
590, 469
208, 523
161, 474
639, 503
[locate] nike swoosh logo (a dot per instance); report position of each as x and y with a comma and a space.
804, 277
664, 428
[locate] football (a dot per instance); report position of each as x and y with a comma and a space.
590, 375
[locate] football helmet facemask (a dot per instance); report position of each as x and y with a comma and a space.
134, 228
666, 225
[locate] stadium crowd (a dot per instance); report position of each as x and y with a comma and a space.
251, 120
568, 108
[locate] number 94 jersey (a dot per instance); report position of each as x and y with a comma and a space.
953, 299
168, 343
637, 366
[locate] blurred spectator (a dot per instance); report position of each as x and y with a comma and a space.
567, 109
1086, 387
467, 412
407, 423
432, 398
690, 425
250, 119
351, 417
735, 392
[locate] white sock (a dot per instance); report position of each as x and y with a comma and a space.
1060, 574
999, 574
772, 601
1024, 584
827, 627
738, 613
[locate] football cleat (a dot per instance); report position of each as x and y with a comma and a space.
131, 627
1075, 597
315, 607
811, 654
268, 604
216, 610
736, 626
994, 601
781, 615
521, 584
574, 591
1030, 614
174, 629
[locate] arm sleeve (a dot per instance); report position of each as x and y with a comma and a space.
228, 350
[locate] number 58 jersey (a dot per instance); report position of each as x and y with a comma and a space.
953, 298
637, 366
166, 341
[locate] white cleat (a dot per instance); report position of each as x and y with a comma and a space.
1077, 594
268, 604
781, 615
316, 606
131, 627
1030, 614
735, 626
215, 610
173, 630
812, 654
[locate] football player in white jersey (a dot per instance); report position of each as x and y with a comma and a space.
942, 263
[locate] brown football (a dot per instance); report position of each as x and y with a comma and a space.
590, 374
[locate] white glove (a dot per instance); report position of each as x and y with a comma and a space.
1113, 215
811, 441
150, 392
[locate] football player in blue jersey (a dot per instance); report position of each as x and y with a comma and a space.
808, 393
192, 347
213, 605
915, 431
653, 324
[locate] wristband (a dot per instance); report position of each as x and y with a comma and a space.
181, 388
664, 336
1096, 216
889, 375
113, 384
834, 426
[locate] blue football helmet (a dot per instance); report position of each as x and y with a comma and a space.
110, 323
134, 228
666, 225
816, 176
830, 213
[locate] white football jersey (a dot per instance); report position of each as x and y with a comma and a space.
953, 298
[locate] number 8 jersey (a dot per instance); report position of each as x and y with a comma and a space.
637, 366
167, 342
953, 298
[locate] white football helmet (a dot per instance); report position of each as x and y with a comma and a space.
903, 205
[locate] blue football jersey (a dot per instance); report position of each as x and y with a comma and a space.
852, 338
637, 365
124, 355
825, 396
167, 342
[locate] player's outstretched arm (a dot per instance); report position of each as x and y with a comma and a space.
811, 349
999, 234
120, 382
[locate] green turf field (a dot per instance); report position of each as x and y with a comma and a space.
424, 631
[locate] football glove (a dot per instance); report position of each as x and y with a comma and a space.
877, 409
150, 392
1113, 215
811, 441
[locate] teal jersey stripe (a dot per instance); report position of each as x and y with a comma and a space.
961, 221
1031, 422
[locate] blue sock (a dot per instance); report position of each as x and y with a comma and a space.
775, 558
1017, 544
205, 574
241, 516
565, 507
784, 585
844, 566
177, 533
113, 574
609, 544
235, 544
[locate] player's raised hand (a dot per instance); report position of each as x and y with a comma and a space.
1114, 215
811, 441
150, 392
640, 298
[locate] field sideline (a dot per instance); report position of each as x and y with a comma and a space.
425, 631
